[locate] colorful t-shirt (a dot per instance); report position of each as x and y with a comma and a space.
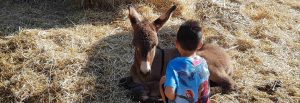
188, 76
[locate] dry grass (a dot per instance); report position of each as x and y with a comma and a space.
63, 55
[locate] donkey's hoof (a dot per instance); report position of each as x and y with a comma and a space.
125, 82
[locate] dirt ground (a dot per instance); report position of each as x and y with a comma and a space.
53, 53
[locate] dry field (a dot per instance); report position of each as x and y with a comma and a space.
53, 53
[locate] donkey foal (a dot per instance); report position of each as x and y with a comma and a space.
150, 61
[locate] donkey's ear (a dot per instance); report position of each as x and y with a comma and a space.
134, 16
158, 23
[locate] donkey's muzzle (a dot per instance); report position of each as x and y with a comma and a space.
145, 67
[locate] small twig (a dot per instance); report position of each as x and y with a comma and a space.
20, 28
71, 21
232, 48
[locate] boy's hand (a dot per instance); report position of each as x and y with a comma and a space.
162, 80
161, 88
166, 92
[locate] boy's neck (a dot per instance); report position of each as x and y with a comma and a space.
188, 53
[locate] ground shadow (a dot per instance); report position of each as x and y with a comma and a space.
110, 59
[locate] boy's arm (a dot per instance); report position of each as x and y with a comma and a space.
170, 84
204, 95
170, 93
204, 87
161, 89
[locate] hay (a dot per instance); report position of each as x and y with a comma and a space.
159, 5
84, 62
102, 4
40, 67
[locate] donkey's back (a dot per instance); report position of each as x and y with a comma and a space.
219, 66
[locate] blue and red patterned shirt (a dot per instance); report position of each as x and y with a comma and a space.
188, 76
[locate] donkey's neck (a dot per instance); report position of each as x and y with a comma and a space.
157, 65
161, 60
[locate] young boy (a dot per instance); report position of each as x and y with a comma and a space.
186, 79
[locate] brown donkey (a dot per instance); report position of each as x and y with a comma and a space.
150, 61
145, 42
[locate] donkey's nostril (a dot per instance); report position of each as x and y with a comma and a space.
145, 67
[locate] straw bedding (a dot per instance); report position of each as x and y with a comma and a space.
73, 55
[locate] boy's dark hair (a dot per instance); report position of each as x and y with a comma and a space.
189, 35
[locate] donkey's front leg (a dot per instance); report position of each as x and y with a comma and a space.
154, 94
140, 90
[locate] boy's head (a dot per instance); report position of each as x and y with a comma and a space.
189, 36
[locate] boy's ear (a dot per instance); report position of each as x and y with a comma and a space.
176, 44
134, 16
159, 22
200, 45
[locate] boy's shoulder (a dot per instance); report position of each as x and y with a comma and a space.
200, 59
186, 60
178, 60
